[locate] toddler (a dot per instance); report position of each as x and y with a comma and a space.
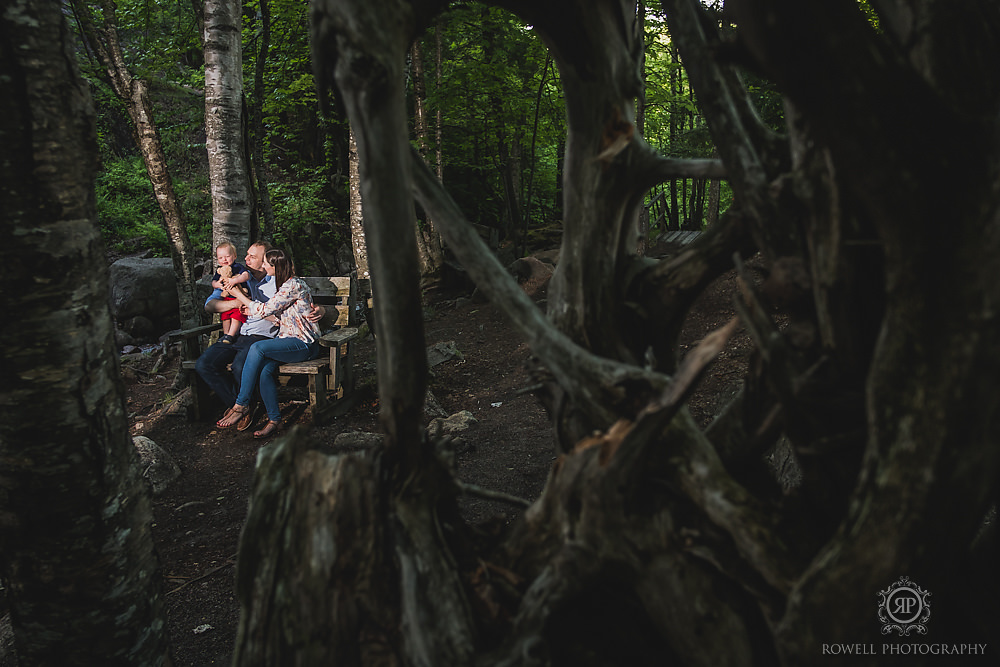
231, 276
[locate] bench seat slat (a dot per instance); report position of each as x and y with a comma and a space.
311, 367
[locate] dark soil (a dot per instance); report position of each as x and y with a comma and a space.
198, 518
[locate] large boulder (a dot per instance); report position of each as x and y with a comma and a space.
144, 288
532, 275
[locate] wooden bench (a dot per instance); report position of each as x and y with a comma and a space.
330, 376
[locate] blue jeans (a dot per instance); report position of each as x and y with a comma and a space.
211, 366
216, 294
262, 357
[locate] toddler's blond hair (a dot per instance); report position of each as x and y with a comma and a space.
229, 246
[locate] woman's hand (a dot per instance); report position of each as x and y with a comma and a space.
240, 296
317, 313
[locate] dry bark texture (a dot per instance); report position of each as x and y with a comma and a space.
77, 559
225, 121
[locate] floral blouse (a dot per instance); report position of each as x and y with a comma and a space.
291, 303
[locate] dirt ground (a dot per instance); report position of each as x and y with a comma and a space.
199, 517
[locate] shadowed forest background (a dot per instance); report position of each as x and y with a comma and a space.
841, 160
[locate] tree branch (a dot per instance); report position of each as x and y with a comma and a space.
596, 383
754, 155
745, 144
700, 475
657, 414
660, 294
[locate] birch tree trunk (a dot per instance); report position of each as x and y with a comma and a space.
358, 242
429, 245
77, 556
103, 40
232, 202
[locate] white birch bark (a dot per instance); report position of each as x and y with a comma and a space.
232, 207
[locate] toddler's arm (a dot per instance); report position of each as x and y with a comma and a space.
242, 278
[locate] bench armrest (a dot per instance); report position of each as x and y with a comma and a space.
192, 333
338, 337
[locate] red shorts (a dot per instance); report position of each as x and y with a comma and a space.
232, 313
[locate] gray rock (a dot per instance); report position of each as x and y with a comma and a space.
147, 288
354, 440
446, 435
124, 340
158, 467
432, 408
439, 353
456, 423
139, 327
532, 274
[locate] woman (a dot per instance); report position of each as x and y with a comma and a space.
296, 341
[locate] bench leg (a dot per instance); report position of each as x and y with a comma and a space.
317, 398
342, 371
201, 398
348, 365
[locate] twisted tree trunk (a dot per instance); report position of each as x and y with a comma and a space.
670, 543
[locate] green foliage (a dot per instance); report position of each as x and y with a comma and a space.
161, 41
300, 202
127, 209
195, 196
870, 14
491, 71
288, 97
495, 87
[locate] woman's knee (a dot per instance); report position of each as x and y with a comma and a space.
255, 354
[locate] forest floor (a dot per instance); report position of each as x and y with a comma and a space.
198, 518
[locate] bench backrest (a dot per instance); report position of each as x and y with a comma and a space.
335, 293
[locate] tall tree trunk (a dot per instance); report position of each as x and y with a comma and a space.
82, 578
508, 144
640, 119
510, 176
358, 242
103, 40
429, 246
531, 158
674, 209
714, 196
232, 203
438, 117
257, 112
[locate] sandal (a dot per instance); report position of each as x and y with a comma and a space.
224, 417
232, 416
248, 419
268, 430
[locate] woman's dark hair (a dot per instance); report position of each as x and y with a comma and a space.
282, 263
